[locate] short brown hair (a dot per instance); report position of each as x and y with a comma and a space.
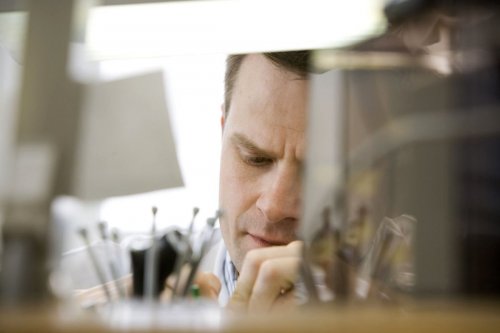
294, 61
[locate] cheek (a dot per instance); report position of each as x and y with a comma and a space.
229, 198
237, 190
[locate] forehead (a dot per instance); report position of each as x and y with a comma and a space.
268, 103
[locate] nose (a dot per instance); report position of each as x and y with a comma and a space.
280, 195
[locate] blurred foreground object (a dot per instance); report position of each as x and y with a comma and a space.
409, 123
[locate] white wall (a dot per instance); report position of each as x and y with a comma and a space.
194, 90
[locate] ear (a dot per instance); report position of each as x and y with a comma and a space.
222, 116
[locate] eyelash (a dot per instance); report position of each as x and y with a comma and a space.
257, 161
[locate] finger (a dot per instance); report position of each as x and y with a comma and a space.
286, 302
254, 260
209, 285
276, 277
251, 267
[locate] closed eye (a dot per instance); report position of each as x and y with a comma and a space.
250, 153
257, 161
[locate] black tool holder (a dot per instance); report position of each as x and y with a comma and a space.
165, 262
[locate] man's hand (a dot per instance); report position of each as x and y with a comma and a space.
209, 285
267, 279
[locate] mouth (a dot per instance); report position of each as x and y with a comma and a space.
265, 241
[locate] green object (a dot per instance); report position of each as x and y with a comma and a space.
195, 291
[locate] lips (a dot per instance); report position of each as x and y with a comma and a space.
266, 241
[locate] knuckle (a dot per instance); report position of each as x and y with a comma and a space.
296, 245
252, 261
269, 271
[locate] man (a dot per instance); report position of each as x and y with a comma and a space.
263, 141
263, 148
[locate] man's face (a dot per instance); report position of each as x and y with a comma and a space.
261, 161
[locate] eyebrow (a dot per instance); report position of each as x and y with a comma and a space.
242, 141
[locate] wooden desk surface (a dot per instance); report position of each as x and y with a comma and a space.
426, 317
